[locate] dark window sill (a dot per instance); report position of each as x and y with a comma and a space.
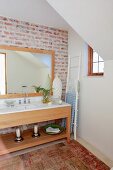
96, 74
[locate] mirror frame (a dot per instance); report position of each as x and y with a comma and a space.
33, 50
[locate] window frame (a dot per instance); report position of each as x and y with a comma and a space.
90, 64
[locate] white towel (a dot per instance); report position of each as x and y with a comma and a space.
53, 130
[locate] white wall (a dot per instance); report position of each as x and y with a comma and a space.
96, 110
75, 43
36, 11
93, 20
96, 101
75, 47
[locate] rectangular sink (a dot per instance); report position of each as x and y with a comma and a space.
4, 109
21, 107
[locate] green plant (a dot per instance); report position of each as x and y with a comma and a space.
44, 92
38, 89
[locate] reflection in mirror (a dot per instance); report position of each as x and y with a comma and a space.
23, 68
2, 73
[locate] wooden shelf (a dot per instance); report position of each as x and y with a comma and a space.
7, 143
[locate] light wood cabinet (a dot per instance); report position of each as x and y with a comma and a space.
7, 143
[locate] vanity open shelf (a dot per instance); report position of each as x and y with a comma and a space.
7, 143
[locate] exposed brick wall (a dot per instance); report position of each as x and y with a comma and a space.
25, 34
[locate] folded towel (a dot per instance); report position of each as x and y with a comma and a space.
53, 130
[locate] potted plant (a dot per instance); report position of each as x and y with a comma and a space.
44, 92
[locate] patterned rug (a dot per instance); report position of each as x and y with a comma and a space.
61, 156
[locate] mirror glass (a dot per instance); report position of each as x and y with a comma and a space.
20, 69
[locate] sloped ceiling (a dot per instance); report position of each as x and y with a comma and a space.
34, 11
92, 20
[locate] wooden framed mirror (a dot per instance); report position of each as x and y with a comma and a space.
21, 67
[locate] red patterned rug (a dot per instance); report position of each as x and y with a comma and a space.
61, 156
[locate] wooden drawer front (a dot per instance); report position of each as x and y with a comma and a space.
29, 117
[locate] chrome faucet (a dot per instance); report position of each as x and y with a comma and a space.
25, 93
25, 101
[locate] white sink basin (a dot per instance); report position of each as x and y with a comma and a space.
21, 107
25, 106
4, 109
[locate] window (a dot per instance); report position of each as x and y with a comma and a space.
2, 73
95, 63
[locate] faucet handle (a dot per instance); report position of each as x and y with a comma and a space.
25, 101
20, 102
29, 101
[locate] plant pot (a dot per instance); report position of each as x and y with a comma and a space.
46, 98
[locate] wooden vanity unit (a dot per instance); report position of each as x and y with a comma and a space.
7, 143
